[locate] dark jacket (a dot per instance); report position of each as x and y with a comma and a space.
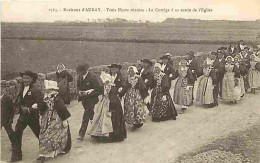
243, 68
219, 67
7, 110
115, 96
230, 52
120, 82
195, 69
170, 72
239, 48
147, 77
63, 79
32, 96
246, 59
213, 75
90, 82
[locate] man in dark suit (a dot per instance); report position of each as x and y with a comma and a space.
7, 114
223, 50
89, 88
240, 46
219, 66
214, 75
147, 76
232, 50
29, 99
193, 65
167, 66
116, 93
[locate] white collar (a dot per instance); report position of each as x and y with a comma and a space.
114, 75
142, 71
209, 61
25, 90
84, 76
113, 78
163, 66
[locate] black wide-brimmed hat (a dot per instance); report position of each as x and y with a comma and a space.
82, 67
31, 74
147, 61
213, 53
191, 53
222, 48
114, 65
165, 57
220, 52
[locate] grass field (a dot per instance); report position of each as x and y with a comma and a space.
41, 46
183, 32
43, 56
245, 143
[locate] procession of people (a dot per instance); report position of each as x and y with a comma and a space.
111, 101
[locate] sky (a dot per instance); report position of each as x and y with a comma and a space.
40, 10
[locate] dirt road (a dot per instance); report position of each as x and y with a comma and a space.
155, 142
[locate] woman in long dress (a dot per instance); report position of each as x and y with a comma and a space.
253, 75
230, 81
204, 86
55, 137
162, 107
183, 86
136, 92
101, 125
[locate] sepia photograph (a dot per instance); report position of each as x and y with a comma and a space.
130, 81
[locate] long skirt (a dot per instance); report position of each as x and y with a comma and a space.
181, 95
134, 107
228, 86
160, 109
54, 138
254, 78
203, 90
118, 122
101, 124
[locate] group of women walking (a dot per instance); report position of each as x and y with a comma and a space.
112, 100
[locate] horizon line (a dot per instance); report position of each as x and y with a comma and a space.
128, 20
